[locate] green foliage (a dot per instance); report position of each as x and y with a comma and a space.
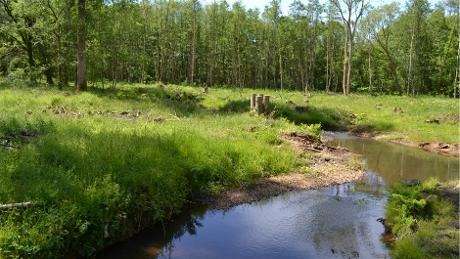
404, 209
423, 221
312, 130
408, 249
216, 44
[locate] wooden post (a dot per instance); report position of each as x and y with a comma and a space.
253, 101
259, 104
266, 102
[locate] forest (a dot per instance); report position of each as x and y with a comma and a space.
396, 48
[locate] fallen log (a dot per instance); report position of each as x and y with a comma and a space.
16, 205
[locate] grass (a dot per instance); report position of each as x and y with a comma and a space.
101, 165
395, 116
424, 221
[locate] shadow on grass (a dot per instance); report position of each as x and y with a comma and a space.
328, 118
182, 102
235, 106
370, 128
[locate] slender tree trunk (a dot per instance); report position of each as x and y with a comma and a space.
345, 65
457, 70
281, 71
327, 62
59, 61
81, 46
409, 74
192, 66
350, 51
369, 58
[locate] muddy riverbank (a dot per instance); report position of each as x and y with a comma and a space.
441, 148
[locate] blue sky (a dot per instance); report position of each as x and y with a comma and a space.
285, 3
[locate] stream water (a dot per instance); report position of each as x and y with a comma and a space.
333, 222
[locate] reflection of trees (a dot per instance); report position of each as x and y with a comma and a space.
159, 240
186, 222
396, 162
372, 184
341, 227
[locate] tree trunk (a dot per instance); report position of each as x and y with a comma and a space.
281, 71
350, 50
457, 70
409, 74
194, 31
81, 46
327, 63
370, 70
345, 65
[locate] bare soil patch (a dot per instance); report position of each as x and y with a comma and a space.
441, 148
328, 166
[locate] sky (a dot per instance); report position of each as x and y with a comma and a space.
285, 3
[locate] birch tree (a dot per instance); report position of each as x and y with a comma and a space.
351, 12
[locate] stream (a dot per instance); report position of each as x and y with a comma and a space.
333, 222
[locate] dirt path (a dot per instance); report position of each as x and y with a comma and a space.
328, 166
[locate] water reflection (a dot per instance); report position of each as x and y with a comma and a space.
395, 162
159, 240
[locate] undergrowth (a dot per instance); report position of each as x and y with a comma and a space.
424, 221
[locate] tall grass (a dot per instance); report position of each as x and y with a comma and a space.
94, 178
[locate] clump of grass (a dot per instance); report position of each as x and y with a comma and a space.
423, 221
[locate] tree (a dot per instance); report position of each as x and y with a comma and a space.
81, 46
417, 12
411, 50
17, 30
350, 11
376, 27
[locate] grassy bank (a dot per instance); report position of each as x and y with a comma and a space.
424, 219
100, 165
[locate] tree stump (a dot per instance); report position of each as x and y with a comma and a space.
266, 102
260, 104
253, 101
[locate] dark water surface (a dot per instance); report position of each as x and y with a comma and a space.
333, 222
